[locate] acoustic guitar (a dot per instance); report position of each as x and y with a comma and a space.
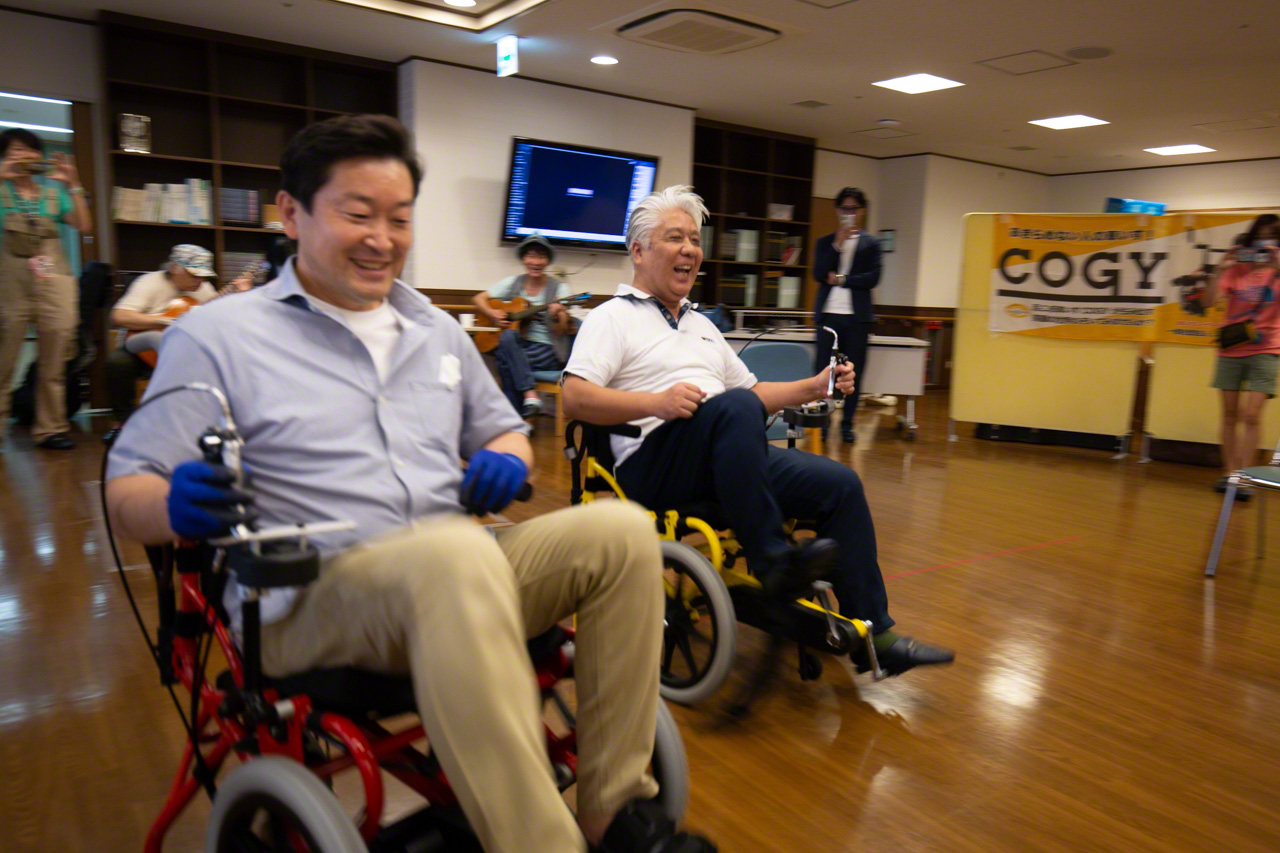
182, 304
519, 312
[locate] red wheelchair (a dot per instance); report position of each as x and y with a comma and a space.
293, 735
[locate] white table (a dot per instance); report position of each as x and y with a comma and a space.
895, 365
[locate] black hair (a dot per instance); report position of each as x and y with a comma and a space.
20, 134
308, 160
858, 196
531, 248
1258, 224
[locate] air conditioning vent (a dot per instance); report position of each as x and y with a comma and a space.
695, 31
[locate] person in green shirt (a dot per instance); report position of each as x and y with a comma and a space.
36, 283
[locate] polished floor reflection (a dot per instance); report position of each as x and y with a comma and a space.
1106, 696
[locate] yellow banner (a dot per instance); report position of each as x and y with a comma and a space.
1109, 277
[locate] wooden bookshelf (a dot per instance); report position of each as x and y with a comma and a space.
741, 172
222, 109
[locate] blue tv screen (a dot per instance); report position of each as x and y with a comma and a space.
576, 197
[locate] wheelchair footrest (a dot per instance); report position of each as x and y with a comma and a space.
804, 625
435, 829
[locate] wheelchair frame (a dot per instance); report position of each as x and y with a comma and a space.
253, 722
240, 713
816, 625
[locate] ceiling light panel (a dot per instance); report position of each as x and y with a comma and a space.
476, 16
1174, 150
1027, 62
1068, 122
915, 84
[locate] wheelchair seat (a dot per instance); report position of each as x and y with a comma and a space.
354, 692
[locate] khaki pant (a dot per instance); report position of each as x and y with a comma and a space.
448, 603
53, 304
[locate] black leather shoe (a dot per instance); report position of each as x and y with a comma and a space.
848, 435
57, 441
792, 572
641, 827
109, 436
904, 654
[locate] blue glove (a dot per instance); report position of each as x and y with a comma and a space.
204, 503
492, 481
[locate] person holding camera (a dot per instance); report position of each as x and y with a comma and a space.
1248, 340
36, 283
846, 266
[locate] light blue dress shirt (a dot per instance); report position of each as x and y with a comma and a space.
324, 439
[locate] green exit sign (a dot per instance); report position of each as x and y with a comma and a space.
508, 56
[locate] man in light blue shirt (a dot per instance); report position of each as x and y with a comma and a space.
356, 397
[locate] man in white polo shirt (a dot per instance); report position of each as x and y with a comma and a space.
644, 357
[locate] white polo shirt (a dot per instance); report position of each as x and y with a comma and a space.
629, 344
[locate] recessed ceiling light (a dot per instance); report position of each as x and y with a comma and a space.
1068, 122
465, 4
914, 84
34, 98
43, 127
604, 60
1170, 150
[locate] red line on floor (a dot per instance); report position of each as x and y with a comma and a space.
983, 557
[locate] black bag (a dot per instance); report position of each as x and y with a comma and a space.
1236, 334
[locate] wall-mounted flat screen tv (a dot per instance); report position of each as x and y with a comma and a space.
576, 197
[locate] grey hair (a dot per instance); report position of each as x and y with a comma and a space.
652, 207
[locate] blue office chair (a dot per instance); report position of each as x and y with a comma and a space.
778, 361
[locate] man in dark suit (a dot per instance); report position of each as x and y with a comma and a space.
846, 265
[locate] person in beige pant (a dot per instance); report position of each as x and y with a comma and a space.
454, 605
36, 284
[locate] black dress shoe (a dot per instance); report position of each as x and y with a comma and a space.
642, 827
109, 436
848, 435
904, 654
793, 571
57, 441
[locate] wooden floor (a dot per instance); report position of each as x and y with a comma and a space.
1106, 695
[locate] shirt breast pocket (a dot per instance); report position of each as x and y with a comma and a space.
438, 408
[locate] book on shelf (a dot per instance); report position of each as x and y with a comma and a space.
239, 207
728, 244
708, 237
791, 255
788, 291
177, 204
782, 211
775, 244
234, 263
748, 248
749, 289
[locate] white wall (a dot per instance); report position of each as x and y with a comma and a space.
954, 188
835, 170
50, 58
900, 207
463, 121
1254, 184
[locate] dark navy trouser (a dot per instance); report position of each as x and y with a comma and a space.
721, 455
517, 359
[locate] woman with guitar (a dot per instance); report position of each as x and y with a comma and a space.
150, 305
531, 347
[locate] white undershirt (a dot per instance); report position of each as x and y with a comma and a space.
840, 299
378, 330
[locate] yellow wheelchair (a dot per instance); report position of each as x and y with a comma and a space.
707, 583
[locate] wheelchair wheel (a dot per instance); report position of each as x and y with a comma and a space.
700, 631
670, 767
273, 803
